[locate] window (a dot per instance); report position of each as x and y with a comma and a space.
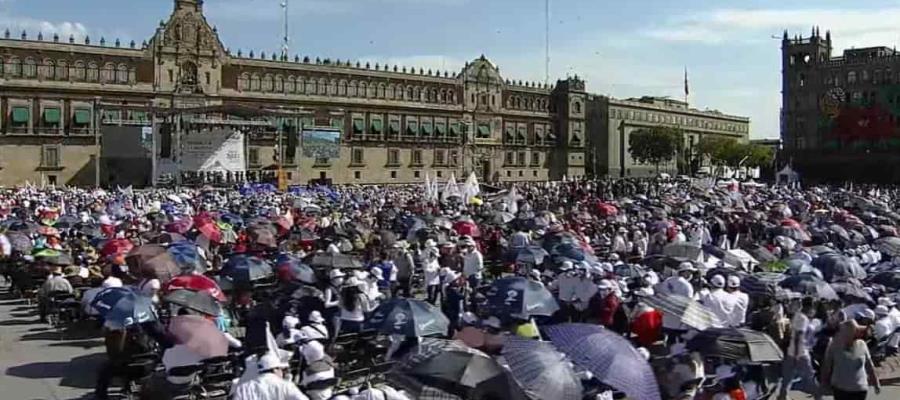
454, 129
81, 117
29, 69
357, 157
62, 70
416, 157
440, 174
508, 174
412, 127
416, 174
577, 107
50, 156
802, 80
377, 126
520, 159
427, 128
107, 74
535, 158
522, 136
439, 158
322, 162
394, 127
865, 75
357, 175
122, 74
454, 157
534, 174
51, 117
520, 173
359, 126
280, 81
508, 158
393, 157
253, 156
19, 116
851, 77
393, 174
484, 131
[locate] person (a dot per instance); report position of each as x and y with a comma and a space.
678, 285
798, 360
721, 303
270, 383
473, 262
333, 297
149, 286
404, 265
742, 301
619, 242
122, 344
55, 284
354, 303
606, 303
848, 368
431, 267
646, 324
317, 376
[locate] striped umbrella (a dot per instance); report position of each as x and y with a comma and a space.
609, 356
688, 311
541, 370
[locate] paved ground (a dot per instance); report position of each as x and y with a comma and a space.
38, 364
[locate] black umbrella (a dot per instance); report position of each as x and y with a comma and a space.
890, 279
409, 317
736, 344
195, 300
889, 245
335, 261
835, 266
851, 289
764, 284
20, 242
810, 285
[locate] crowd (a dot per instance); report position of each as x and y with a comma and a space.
638, 289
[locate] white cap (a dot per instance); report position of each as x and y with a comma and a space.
717, 281
605, 284
315, 316
290, 322
377, 273
734, 281
269, 362
336, 273
886, 301
566, 265
881, 310
313, 351
111, 282
644, 352
105, 220
492, 322
686, 266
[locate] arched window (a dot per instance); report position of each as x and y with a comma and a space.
279, 84
452, 96
107, 74
122, 73
332, 87
29, 69
370, 92
46, 69
390, 91
291, 85
363, 89
851, 77
342, 88
14, 67
254, 83
398, 92
443, 98
353, 89
244, 81
381, 93
323, 86
268, 83
410, 93
311, 86
93, 72
578, 107
62, 70
301, 85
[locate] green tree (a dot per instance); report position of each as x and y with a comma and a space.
759, 156
654, 145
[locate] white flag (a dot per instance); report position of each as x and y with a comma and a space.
452, 189
470, 188
511, 201
428, 194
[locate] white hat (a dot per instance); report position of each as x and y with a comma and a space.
111, 282
290, 322
886, 301
377, 273
352, 281
492, 322
605, 284
105, 220
614, 257
566, 265
644, 352
316, 317
717, 281
430, 243
336, 273
686, 266
313, 351
881, 310
269, 362
734, 281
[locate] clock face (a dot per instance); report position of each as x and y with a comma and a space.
832, 100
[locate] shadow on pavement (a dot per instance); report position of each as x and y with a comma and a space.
78, 373
18, 322
85, 344
57, 336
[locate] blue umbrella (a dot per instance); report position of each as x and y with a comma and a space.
408, 317
187, 257
231, 219
243, 268
291, 268
568, 250
609, 356
517, 295
541, 370
121, 306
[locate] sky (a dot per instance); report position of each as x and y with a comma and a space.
730, 48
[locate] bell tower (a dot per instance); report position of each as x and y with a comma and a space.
802, 59
196, 5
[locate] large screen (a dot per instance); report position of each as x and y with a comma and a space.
321, 143
219, 150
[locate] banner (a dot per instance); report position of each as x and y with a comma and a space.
321, 143
216, 151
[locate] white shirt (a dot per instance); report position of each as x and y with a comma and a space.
722, 304
473, 264
680, 286
740, 311
884, 327
432, 269
180, 356
568, 287
802, 331
267, 387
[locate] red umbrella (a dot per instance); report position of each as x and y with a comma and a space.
210, 230
180, 226
788, 222
116, 247
48, 231
196, 283
467, 228
606, 209
199, 335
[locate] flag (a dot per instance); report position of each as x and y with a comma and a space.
435, 189
686, 89
452, 189
62, 206
428, 194
512, 205
470, 188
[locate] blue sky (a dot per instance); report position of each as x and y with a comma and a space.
623, 49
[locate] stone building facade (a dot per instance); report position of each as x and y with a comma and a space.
840, 116
612, 121
396, 124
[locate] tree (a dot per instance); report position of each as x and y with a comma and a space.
654, 145
760, 156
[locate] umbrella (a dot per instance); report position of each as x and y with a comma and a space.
628, 271
20, 242
609, 356
180, 226
66, 222
163, 267
335, 261
682, 249
166, 238
606, 209
54, 257
466, 228
503, 217
531, 255
889, 279
289, 268
810, 285
263, 236
835, 266
197, 283
785, 242
47, 231
115, 247
187, 257
889, 245
208, 228
243, 268
457, 369
541, 370
139, 255
21, 226
121, 306
409, 317
517, 295
795, 233
736, 344
764, 284
852, 289
198, 301
761, 254
199, 335
688, 311
568, 250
